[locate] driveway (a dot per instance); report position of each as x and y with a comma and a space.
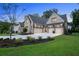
36, 36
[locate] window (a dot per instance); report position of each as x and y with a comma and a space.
58, 25
53, 19
50, 26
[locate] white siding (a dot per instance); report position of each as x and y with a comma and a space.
54, 18
51, 30
17, 28
37, 30
59, 31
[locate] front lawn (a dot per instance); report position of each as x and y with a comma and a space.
62, 45
6, 34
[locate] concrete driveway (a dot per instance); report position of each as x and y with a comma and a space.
36, 36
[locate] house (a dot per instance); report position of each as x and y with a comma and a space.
56, 24
70, 24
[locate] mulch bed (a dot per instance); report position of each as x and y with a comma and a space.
14, 43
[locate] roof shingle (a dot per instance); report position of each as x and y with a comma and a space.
42, 20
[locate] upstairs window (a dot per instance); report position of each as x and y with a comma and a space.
53, 19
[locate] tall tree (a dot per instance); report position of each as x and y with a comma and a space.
48, 13
75, 16
10, 12
4, 27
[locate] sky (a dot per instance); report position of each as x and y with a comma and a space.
33, 8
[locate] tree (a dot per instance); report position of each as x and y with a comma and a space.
24, 30
4, 27
75, 16
48, 13
10, 12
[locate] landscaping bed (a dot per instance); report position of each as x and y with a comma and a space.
6, 43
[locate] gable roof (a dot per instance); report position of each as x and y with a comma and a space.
37, 19
21, 24
42, 20
64, 17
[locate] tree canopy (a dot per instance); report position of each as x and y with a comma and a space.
48, 13
75, 16
4, 27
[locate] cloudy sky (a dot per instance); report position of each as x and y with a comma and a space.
32, 8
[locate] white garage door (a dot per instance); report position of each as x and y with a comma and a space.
57, 30
51, 30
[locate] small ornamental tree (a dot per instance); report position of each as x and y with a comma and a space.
24, 30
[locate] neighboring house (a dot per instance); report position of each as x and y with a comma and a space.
70, 24
18, 28
54, 24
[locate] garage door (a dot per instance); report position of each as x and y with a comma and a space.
51, 30
59, 31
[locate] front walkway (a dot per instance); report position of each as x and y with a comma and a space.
43, 35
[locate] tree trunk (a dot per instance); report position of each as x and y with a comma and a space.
11, 32
10, 36
65, 28
54, 28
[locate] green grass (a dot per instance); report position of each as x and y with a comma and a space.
61, 46
6, 34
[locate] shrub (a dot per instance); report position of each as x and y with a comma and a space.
1, 39
19, 40
24, 30
53, 31
53, 38
40, 38
14, 39
69, 31
29, 38
33, 40
48, 38
13, 45
75, 29
7, 40
5, 45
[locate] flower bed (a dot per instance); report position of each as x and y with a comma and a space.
6, 43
